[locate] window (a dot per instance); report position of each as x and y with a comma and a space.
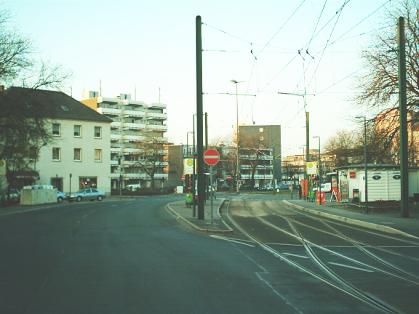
98, 155
77, 131
98, 132
77, 154
56, 153
260, 130
56, 129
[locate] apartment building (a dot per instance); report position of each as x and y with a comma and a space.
78, 152
256, 166
264, 137
138, 153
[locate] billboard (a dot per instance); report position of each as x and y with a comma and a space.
311, 167
188, 166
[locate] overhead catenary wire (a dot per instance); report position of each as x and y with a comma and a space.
281, 27
339, 13
361, 21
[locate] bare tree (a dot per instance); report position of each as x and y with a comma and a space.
151, 158
379, 84
23, 127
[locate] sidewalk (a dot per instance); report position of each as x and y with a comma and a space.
388, 221
185, 214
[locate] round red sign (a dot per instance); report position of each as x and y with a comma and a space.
211, 157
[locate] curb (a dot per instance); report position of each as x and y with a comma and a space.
365, 224
191, 224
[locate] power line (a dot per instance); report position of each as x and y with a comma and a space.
317, 24
328, 40
339, 81
281, 27
228, 34
361, 21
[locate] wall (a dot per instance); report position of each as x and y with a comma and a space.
34, 197
87, 167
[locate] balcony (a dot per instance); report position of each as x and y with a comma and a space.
156, 115
259, 167
134, 113
157, 127
110, 111
257, 176
157, 105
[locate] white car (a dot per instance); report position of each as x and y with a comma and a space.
326, 187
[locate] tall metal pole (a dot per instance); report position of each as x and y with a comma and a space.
194, 166
206, 130
366, 165
320, 175
237, 147
206, 147
307, 136
199, 126
404, 171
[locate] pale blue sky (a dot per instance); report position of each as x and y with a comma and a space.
151, 44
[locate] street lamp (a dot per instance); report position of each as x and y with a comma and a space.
365, 162
237, 128
320, 174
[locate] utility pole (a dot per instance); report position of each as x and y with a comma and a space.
404, 170
307, 135
199, 126
206, 130
365, 163
238, 139
194, 166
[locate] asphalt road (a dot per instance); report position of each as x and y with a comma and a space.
361, 270
132, 256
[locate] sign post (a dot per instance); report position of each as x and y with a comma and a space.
211, 158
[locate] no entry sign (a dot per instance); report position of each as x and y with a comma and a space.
211, 157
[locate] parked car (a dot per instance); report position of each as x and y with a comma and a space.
14, 195
61, 196
282, 186
87, 194
133, 187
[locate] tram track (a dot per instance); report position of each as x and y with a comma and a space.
326, 275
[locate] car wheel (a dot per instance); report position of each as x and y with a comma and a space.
78, 199
59, 200
99, 198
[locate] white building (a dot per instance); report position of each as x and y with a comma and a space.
259, 161
78, 154
137, 139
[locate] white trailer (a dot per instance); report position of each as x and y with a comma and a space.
383, 182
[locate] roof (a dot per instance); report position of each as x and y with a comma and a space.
55, 104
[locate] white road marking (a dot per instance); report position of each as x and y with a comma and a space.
351, 267
277, 293
295, 255
230, 240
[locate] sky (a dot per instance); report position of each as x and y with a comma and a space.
147, 49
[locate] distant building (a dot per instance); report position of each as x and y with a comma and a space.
268, 139
256, 167
79, 151
389, 119
138, 145
293, 166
